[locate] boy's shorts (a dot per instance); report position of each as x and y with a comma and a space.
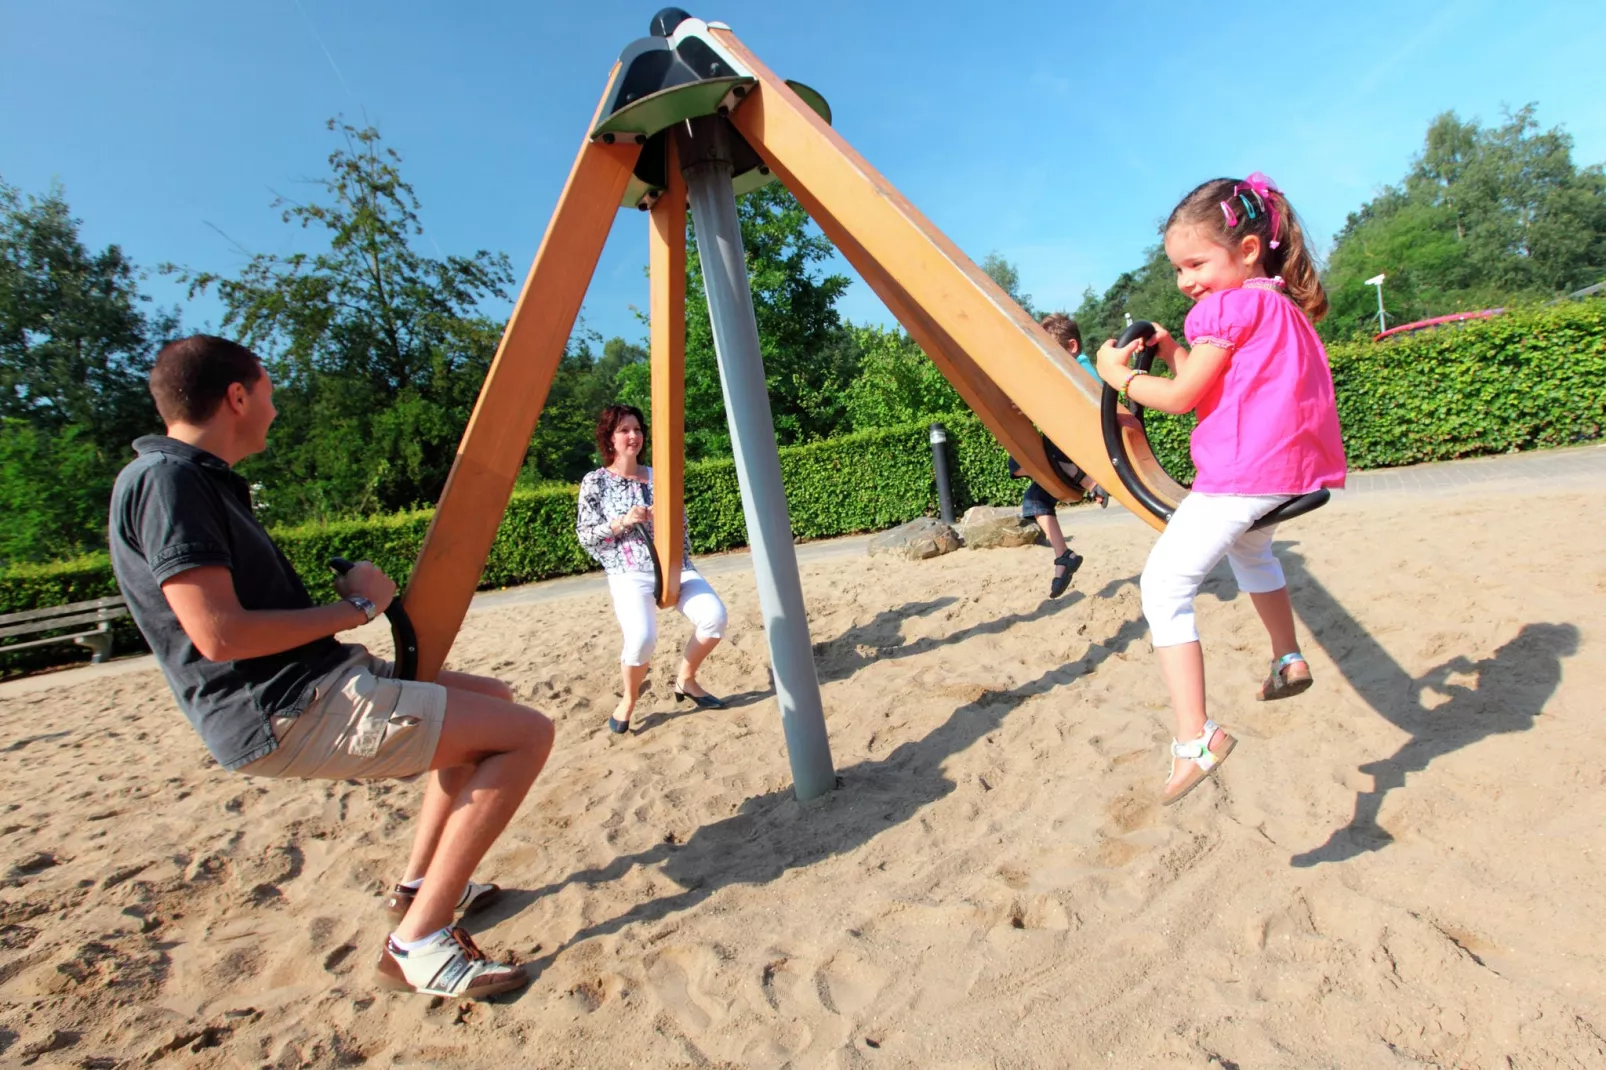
1037, 502
362, 724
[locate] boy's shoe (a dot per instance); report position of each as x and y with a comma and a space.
1072, 561
476, 895
449, 965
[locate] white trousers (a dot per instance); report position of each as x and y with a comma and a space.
638, 614
1204, 529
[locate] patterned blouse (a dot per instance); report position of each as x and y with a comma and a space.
604, 497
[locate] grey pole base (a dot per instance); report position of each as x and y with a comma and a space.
705, 150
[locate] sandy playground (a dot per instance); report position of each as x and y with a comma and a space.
1401, 868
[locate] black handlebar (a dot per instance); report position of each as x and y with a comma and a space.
1109, 419
1142, 360
401, 628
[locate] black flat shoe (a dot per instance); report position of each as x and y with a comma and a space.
618, 727
707, 702
1072, 561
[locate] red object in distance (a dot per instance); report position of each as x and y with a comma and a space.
1422, 325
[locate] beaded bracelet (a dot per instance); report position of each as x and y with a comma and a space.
1130, 376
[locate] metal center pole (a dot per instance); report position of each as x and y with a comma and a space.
706, 157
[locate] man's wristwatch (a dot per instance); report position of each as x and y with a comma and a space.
369, 611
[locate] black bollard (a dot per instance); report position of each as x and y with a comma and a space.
939, 465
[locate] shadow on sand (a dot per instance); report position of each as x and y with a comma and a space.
773, 833
1508, 692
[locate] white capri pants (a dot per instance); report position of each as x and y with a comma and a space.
638, 614
1205, 528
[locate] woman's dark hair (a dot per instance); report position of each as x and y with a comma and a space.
192, 376
609, 422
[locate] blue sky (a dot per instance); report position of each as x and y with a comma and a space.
1056, 134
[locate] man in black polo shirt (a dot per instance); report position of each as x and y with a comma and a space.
256, 669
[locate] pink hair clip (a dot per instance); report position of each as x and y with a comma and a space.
1232, 220
1260, 185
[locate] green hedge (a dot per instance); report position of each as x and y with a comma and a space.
1528, 379
861, 482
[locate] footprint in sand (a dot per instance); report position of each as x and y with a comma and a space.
676, 977
593, 992
1039, 913
849, 983
778, 1044
1130, 831
779, 981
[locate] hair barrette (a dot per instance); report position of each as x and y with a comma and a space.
1260, 185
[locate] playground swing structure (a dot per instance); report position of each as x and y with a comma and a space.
691, 118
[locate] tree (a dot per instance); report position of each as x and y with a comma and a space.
1486, 216
1007, 276
808, 359
75, 357
380, 351
897, 383
564, 448
1148, 293
75, 346
54, 490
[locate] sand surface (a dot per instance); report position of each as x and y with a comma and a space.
1401, 868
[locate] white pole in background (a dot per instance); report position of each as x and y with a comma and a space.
1377, 280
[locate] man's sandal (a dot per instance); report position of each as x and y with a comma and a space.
475, 896
1205, 761
449, 965
1278, 685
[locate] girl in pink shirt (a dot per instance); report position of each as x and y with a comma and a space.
1268, 430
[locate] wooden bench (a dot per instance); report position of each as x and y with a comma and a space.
100, 612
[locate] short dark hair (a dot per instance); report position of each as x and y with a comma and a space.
1062, 328
609, 422
192, 376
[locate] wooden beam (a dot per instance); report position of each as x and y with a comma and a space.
1001, 415
979, 319
498, 435
667, 267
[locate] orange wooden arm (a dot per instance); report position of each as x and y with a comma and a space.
1002, 416
667, 267
976, 317
498, 435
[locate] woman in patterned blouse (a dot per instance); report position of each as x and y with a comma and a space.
615, 527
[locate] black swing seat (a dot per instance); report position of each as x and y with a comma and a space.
1293, 507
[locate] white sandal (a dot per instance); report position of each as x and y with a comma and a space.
1278, 685
1205, 761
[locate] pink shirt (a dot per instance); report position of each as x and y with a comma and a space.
1269, 425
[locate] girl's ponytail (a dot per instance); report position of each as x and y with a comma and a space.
1293, 261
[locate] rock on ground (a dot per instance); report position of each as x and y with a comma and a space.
917, 540
986, 527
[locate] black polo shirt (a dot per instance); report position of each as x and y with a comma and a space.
174, 508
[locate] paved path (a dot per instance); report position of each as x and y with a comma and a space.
1573, 468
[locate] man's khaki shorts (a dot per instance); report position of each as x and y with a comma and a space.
360, 725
